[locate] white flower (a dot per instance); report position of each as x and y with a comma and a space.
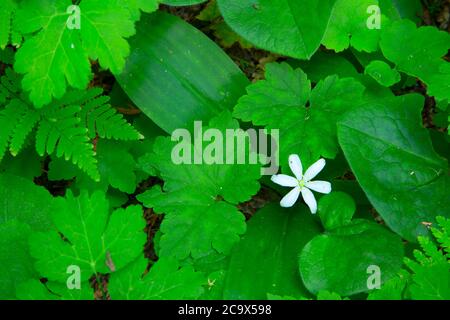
302, 183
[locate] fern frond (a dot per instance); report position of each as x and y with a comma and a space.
59, 131
26, 123
64, 127
442, 234
100, 118
9, 117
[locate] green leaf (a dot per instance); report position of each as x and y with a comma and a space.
93, 240
177, 58
393, 289
264, 261
21, 199
64, 128
16, 264
197, 219
338, 261
292, 28
165, 281
279, 102
348, 26
392, 158
55, 55
34, 290
116, 165
431, 282
382, 73
418, 52
336, 210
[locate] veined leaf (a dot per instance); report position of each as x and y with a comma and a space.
393, 159
296, 31
176, 75
93, 240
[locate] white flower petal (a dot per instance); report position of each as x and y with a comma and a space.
290, 199
314, 170
296, 166
319, 186
309, 199
284, 180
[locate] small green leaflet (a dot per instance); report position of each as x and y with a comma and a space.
94, 240
166, 280
382, 73
199, 199
336, 210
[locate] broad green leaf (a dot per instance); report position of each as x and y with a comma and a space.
418, 52
265, 260
55, 53
392, 158
279, 102
382, 73
292, 28
96, 241
33, 289
336, 210
348, 26
176, 75
16, 264
21, 199
165, 281
338, 261
199, 199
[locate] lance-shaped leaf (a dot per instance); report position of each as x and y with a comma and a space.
178, 59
